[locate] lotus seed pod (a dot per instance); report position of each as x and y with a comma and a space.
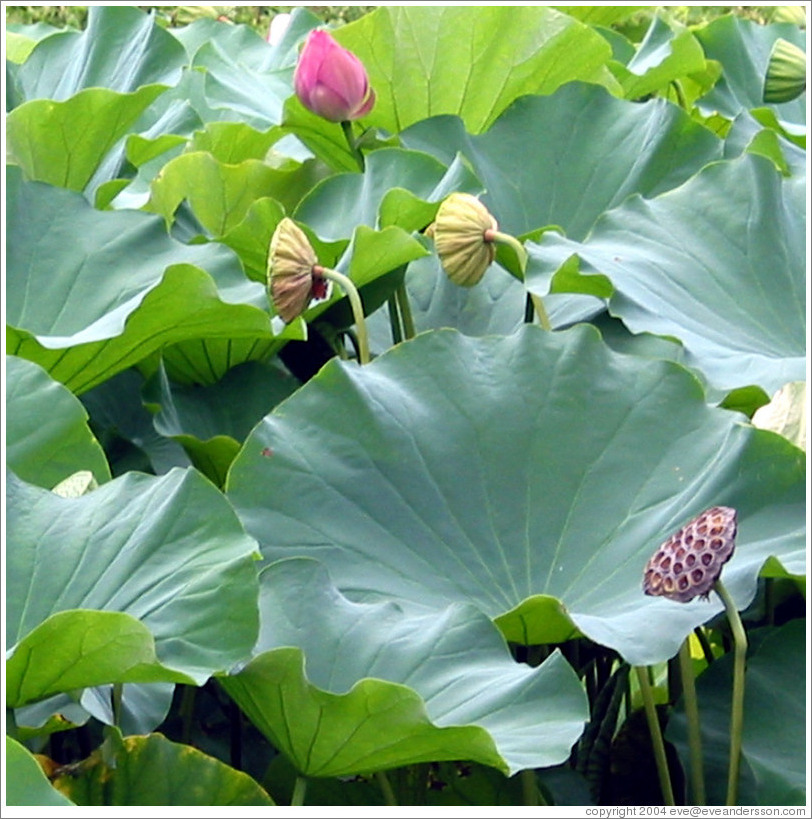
461, 236
291, 278
690, 561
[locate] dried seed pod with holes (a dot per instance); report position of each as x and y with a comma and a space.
690, 561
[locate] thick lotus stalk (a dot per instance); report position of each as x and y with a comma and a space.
331, 81
292, 282
689, 565
786, 73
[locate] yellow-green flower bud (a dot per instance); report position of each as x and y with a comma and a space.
292, 280
786, 73
463, 235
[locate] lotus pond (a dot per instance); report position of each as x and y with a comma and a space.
355, 379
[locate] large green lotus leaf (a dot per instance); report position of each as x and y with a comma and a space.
196, 176
717, 263
424, 61
442, 684
121, 49
77, 649
211, 422
743, 48
91, 293
95, 119
398, 187
247, 94
26, 784
47, 436
664, 56
596, 151
775, 720
532, 475
151, 770
168, 551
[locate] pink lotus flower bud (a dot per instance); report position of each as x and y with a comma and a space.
331, 81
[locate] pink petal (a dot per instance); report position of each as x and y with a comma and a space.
328, 104
366, 107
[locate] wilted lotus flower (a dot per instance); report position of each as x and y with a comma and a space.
690, 561
294, 275
331, 81
464, 232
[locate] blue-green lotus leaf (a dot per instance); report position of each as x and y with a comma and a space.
442, 684
425, 61
92, 293
47, 435
717, 264
532, 475
165, 553
596, 150
122, 49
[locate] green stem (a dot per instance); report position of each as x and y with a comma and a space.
513, 242
405, 310
346, 127
299, 790
386, 788
118, 696
692, 716
704, 644
544, 319
530, 791
737, 708
394, 319
187, 712
656, 735
680, 96
357, 308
